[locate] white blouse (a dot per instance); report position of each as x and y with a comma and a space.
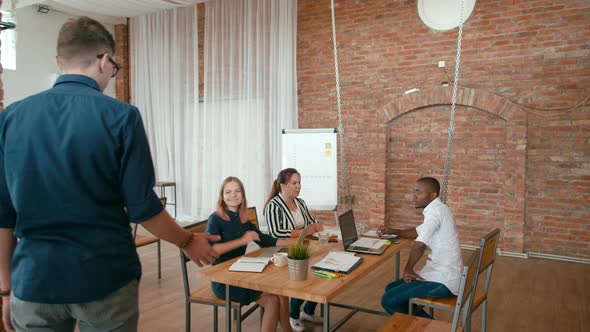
298, 217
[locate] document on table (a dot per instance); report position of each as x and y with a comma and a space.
250, 264
338, 261
373, 233
364, 242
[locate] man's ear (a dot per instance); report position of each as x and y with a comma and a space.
433, 196
59, 63
102, 63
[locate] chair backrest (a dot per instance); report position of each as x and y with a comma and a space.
163, 201
252, 215
466, 288
488, 245
198, 227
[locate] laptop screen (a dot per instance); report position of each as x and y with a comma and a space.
347, 228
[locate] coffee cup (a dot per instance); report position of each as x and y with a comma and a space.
279, 259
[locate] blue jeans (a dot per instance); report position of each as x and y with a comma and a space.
398, 294
295, 307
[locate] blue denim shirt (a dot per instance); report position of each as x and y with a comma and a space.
70, 159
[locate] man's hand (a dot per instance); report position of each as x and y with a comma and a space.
6, 314
411, 276
384, 230
200, 251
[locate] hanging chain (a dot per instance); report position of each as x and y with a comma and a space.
345, 182
447, 171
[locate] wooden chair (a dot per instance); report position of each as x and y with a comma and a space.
204, 294
488, 245
144, 240
252, 215
403, 322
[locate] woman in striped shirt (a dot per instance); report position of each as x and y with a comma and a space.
286, 216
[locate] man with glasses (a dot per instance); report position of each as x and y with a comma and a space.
75, 169
116, 66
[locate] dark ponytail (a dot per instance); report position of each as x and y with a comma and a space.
283, 177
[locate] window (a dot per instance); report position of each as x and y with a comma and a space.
8, 39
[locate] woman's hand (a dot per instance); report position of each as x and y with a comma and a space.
250, 236
317, 227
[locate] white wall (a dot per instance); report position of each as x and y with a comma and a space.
36, 69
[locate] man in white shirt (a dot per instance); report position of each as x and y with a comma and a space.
441, 275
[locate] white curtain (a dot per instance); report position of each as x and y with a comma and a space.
250, 95
164, 86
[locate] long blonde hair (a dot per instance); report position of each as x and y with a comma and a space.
283, 177
222, 207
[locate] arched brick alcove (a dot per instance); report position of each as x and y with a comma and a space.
487, 181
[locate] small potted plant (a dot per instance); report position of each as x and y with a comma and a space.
298, 258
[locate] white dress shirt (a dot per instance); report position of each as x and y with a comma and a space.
439, 233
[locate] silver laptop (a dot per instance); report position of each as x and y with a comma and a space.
351, 240
268, 252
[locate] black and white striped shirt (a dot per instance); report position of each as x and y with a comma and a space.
279, 218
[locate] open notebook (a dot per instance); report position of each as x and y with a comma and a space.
338, 261
250, 264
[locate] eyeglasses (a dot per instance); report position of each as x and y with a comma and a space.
116, 66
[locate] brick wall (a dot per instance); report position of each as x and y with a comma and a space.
521, 168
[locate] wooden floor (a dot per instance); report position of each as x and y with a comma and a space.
526, 295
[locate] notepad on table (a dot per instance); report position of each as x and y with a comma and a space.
338, 261
250, 264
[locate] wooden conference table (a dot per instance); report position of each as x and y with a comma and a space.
275, 280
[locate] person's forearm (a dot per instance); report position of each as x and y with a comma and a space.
295, 233
415, 254
163, 226
409, 233
7, 245
282, 243
222, 248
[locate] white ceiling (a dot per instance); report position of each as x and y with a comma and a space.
109, 11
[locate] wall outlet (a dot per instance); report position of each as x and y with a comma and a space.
441, 64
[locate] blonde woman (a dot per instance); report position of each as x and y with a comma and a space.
230, 221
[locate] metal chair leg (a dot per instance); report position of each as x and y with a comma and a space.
261, 316
159, 259
239, 319
188, 317
215, 324
175, 203
484, 310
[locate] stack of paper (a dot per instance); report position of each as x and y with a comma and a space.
373, 233
250, 264
338, 261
